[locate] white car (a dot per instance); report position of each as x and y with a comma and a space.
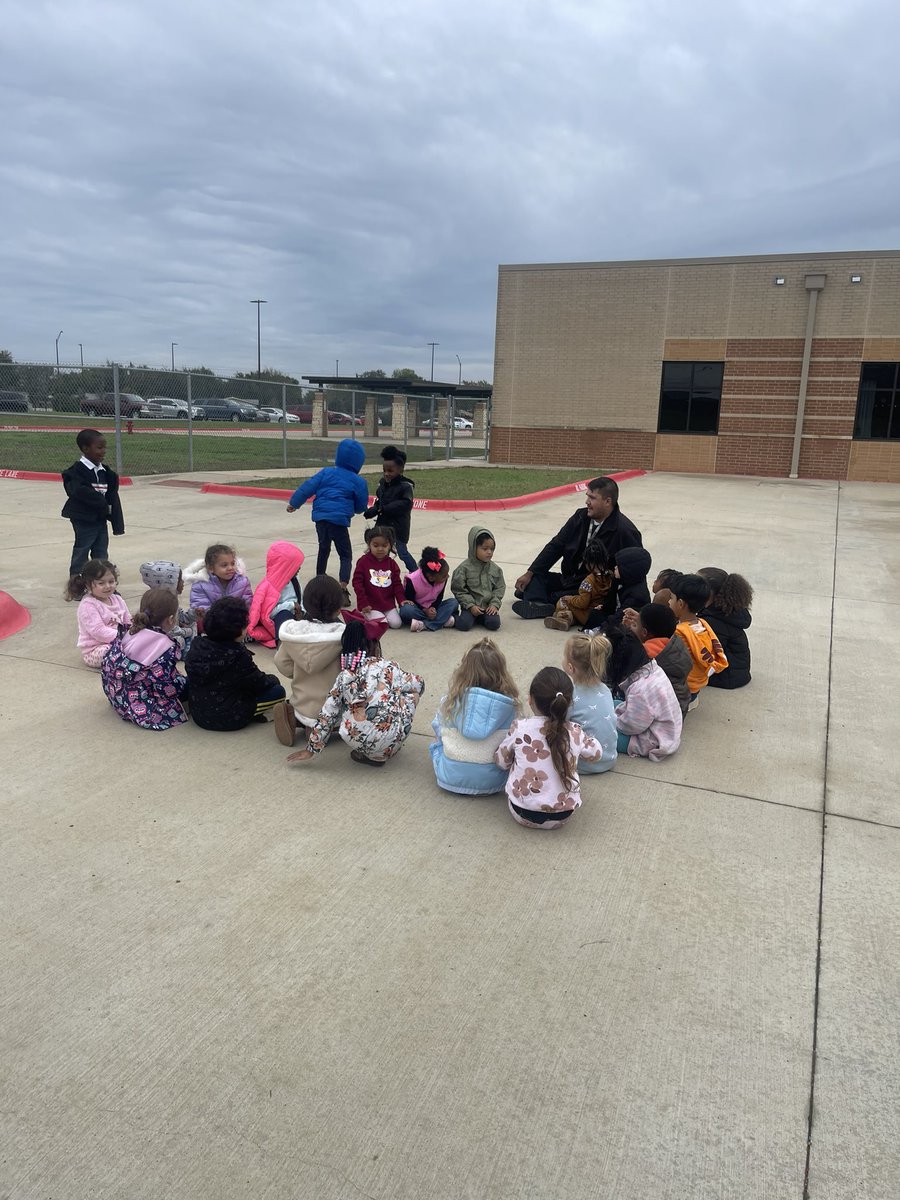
166, 406
462, 423
275, 414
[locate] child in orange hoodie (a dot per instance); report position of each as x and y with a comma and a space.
690, 593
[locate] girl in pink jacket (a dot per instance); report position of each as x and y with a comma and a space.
649, 718
101, 609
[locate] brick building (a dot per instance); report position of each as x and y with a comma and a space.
766, 365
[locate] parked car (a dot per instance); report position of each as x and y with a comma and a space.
258, 414
462, 423
14, 402
228, 410
342, 418
276, 414
166, 406
104, 404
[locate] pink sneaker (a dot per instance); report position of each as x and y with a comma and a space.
450, 622
416, 626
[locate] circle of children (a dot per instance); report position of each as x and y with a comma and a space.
631, 668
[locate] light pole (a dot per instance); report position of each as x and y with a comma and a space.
258, 356
174, 344
337, 367
58, 336
459, 360
432, 345
81, 352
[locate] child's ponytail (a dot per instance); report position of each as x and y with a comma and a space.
156, 606
551, 690
587, 657
729, 593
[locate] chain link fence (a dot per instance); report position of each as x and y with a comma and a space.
160, 422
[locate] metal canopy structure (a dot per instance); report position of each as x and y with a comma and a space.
400, 387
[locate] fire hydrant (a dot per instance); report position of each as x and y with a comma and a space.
129, 426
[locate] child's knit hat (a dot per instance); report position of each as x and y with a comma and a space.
161, 574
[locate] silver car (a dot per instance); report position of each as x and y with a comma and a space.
167, 407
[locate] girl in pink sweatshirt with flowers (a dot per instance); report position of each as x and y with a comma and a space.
541, 754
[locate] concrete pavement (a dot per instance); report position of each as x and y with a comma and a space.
225, 978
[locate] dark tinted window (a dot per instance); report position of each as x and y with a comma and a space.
877, 405
689, 397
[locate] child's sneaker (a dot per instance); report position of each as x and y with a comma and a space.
285, 723
416, 626
560, 620
450, 622
695, 700
348, 603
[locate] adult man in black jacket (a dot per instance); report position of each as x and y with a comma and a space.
539, 588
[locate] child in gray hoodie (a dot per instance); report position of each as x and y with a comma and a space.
478, 583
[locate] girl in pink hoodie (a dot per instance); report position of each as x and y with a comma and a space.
138, 672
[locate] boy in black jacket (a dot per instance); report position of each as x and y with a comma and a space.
93, 500
394, 502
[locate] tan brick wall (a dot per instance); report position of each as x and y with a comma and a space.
579, 350
685, 452
594, 449
878, 462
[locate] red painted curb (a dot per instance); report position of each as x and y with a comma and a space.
565, 489
50, 476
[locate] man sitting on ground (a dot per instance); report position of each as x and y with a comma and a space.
539, 588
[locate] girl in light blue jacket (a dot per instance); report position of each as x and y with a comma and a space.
473, 719
584, 661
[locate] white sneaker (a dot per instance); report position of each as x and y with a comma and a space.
450, 622
694, 703
416, 626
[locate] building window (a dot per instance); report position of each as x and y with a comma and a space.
689, 397
878, 405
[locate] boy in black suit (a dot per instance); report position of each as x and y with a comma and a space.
93, 491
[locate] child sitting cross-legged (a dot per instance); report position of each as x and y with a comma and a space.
309, 654
163, 573
478, 583
649, 719
541, 754
655, 628
425, 606
584, 660
278, 596
728, 615
371, 705
228, 690
690, 593
630, 574
594, 589
472, 720
376, 581
101, 609
138, 671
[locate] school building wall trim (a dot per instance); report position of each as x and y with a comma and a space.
580, 347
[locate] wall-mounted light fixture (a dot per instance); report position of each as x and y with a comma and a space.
856, 278
780, 281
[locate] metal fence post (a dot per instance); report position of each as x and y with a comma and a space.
190, 404
406, 423
487, 428
353, 414
431, 431
118, 415
449, 427
284, 424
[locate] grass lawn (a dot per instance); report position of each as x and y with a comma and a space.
467, 483
145, 453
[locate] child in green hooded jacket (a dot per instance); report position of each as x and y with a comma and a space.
478, 583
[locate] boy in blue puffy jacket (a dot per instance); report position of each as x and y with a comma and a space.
339, 493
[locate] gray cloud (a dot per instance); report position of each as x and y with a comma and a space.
366, 167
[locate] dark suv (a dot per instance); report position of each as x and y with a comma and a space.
228, 410
14, 402
104, 405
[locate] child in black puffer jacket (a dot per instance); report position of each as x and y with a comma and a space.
728, 613
228, 690
630, 591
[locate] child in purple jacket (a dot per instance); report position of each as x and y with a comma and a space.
425, 606
219, 575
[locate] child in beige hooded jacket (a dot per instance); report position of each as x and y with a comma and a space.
309, 654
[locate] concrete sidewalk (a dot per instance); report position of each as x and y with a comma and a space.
228, 979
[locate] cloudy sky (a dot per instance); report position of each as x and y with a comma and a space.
364, 167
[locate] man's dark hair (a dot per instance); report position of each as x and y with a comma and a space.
606, 487
658, 620
693, 590
87, 437
226, 619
